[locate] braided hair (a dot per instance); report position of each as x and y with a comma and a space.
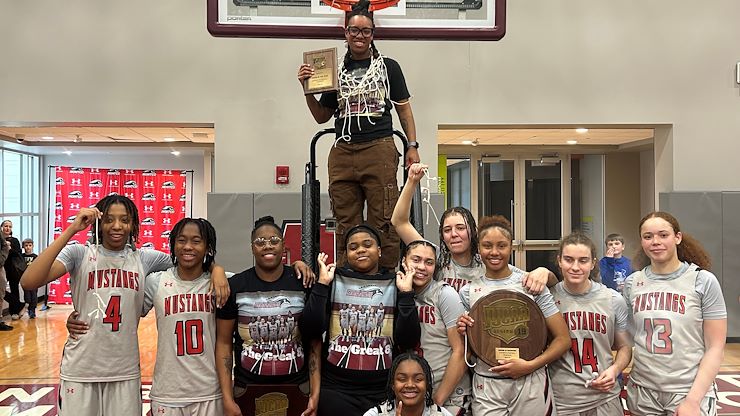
426, 243
444, 252
207, 232
361, 8
104, 205
422, 242
390, 394
374, 82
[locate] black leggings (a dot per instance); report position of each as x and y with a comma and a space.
14, 297
335, 402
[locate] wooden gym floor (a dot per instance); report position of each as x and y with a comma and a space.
31, 353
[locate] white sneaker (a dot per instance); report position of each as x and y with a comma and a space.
15, 317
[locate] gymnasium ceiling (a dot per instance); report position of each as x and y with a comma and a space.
110, 134
488, 135
202, 135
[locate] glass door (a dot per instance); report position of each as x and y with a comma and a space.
530, 191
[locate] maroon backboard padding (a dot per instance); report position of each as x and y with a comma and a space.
495, 32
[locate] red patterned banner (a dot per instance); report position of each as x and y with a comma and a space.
159, 195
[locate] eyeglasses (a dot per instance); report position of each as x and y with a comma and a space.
366, 31
261, 241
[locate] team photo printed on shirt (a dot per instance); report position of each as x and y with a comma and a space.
359, 337
267, 324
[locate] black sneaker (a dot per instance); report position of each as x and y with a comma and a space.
5, 327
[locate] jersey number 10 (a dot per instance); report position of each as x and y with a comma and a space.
189, 337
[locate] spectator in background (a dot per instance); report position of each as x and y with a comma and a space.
12, 272
614, 268
4, 248
30, 296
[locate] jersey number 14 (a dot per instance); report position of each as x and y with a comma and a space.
584, 356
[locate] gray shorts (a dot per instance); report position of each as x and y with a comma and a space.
213, 407
528, 395
612, 407
111, 398
642, 401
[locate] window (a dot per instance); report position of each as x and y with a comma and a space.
20, 194
458, 182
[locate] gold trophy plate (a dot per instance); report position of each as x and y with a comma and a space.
508, 325
325, 77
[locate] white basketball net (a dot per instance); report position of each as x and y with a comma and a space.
358, 91
426, 193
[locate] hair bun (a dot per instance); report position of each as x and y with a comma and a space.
361, 5
266, 219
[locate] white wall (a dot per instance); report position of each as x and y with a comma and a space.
562, 61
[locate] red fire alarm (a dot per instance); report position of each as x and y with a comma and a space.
282, 175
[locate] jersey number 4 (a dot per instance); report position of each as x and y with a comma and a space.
189, 337
113, 313
661, 327
584, 356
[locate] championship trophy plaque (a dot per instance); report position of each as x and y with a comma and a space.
508, 325
273, 400
325, 77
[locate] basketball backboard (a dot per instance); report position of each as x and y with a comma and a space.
408, 19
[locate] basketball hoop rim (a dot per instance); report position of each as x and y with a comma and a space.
346, 5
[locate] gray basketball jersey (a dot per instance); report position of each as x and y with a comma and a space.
108, 291
669, 339
384, 409
458, 276
482, 286
185, 370
379, 316
361, 320
591, 321
435, 346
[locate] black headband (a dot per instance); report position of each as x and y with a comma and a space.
363, 228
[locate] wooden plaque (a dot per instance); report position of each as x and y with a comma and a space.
273, 400
508, 325
326, 74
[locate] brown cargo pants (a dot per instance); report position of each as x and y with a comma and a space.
359, 173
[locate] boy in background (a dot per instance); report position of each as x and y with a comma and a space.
613, 266
30, 296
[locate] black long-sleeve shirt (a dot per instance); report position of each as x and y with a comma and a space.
4, 251
13, 274
328, 310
